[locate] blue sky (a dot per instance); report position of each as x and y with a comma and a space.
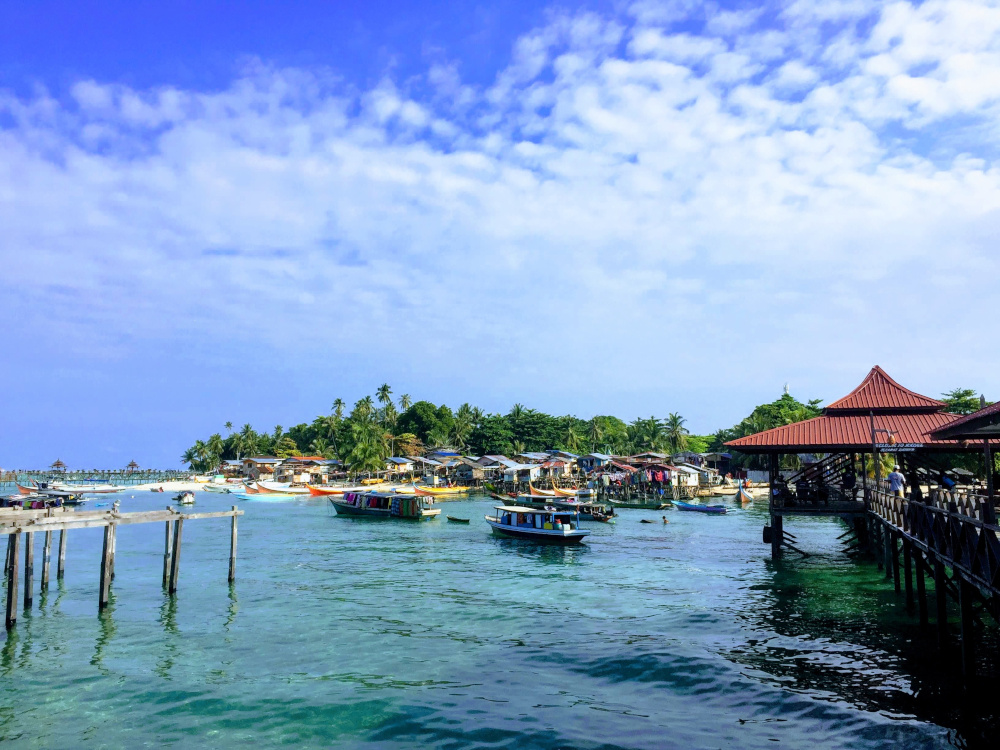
241, 211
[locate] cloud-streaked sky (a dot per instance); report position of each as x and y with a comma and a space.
212, 212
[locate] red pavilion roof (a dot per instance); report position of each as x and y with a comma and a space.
846, 424
880, 393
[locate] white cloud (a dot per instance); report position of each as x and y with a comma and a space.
741, 190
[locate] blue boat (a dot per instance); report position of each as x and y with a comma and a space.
716, 509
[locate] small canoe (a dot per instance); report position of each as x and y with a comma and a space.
742, 496
715, 509
454, 519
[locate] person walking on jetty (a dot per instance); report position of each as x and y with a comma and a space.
896, 481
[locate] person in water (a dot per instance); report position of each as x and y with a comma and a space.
665, 520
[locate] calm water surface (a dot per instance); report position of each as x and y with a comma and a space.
349, 632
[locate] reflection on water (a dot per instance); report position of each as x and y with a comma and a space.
105, 634
343, 631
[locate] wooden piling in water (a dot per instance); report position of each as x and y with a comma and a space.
921, 590
13, 543
965, 595
175, 563
232, 550
104, 594
29, 569
61, 562
46, 560
168, 548
894, 555
940, 596
908, 574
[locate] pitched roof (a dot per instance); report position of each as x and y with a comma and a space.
977, 424
880, 393
840, 433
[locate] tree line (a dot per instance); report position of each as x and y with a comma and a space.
381, 426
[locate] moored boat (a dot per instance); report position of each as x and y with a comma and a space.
284, 489
586, 511
321, 491
383, 505
537, 525
184, 498
714, 509
742, 496
456, 519
213, 487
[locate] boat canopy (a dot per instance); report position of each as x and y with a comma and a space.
522, 509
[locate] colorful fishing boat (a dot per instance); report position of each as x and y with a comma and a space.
537, 525
320, 491
742, 496
383, 505
25, 490
714, 509
430, 491
540, 493
281, 489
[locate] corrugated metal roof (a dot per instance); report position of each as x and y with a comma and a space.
879, 392
970, 419
846, 432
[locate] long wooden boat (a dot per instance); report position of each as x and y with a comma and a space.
456, 519
281, 489
25, 490
742, 496
714, 509
383, 505
533, 524
428, 490
323, 491
89, 489
250, 490
587, 511
561, 492
540, 493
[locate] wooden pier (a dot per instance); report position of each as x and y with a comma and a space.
17, 523
947, 538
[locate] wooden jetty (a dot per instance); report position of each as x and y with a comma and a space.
17, 523
914, 536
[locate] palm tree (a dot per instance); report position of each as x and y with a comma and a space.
438, 437
384, 394
405, 402
229, 427
516, 412
216, 446
595, 433
463, 425
675, 433
247, 441
571, 437
338, 408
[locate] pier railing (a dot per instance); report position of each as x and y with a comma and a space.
949, 525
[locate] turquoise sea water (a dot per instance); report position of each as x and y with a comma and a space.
353, 632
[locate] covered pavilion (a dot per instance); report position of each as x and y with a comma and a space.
879, 416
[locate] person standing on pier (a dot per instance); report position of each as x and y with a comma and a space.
897, 481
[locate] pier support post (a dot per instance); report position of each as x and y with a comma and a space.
232, 550
29, 569
168, 548
13, 546
114, 545
105, 590
61, 563
965, 594
921, 590
175, 562
46, 560
908, 573
894, 560
6, 557
777, 535
941, 602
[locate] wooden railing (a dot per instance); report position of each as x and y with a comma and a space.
951, 526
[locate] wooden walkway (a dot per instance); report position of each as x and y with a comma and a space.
17, 523
946, 532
